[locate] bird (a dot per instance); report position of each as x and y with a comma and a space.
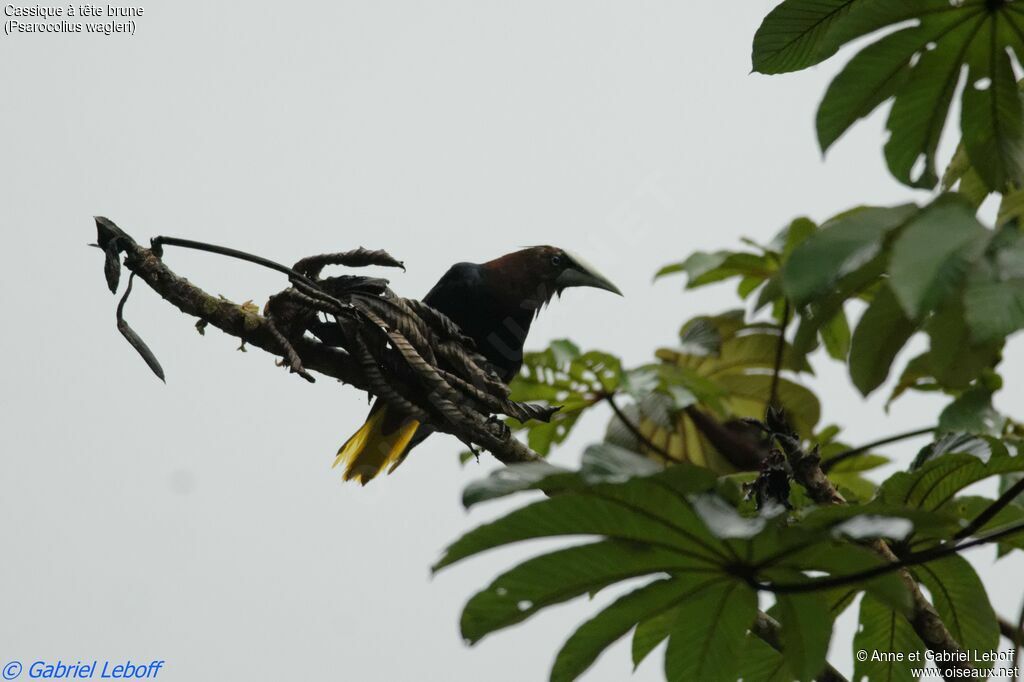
493, 304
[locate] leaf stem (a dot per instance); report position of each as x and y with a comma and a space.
159, 242
828, 464
914, 559
990, 511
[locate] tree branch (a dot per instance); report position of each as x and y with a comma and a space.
387, 345
1009, 630
924, 618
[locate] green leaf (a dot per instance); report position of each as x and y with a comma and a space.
639, 510
883, 630
516, 478
919, 112
803, 548
826, 306
953, 358
960, 598
982, 448
708, 636
792, 236
695, 264
794, 35
836, 336
994, 296
747, 396
603, 463
916, 375
969, 507
723, 365
872, 76
920, 66
938, 480
806, 628
762, 663
561, 575
562, 375
1011, 208
660, 598
864, 462
842, 246
652, 632
991, 117
702, 336
933, 253
995, 309
882, 332
972, 412
703, 268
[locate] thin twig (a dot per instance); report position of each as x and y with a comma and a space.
1009, 630
990, 511
780, 347
635, 430
158, 243
828, 464
1017, 642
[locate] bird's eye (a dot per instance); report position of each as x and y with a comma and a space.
556, 260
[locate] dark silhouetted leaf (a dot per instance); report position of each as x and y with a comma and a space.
882, 332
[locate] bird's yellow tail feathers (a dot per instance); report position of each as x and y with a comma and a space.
370, 450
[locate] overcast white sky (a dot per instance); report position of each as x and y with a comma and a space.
199, 522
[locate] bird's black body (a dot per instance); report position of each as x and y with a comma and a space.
497, 326
493, 304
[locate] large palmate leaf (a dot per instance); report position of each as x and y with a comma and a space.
961, 600
918, 66
883, 631
936, 482
726, 366
806, 626
706, 639
702, 562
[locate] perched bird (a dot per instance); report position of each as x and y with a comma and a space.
493, 303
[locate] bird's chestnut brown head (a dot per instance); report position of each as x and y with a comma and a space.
535, 274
